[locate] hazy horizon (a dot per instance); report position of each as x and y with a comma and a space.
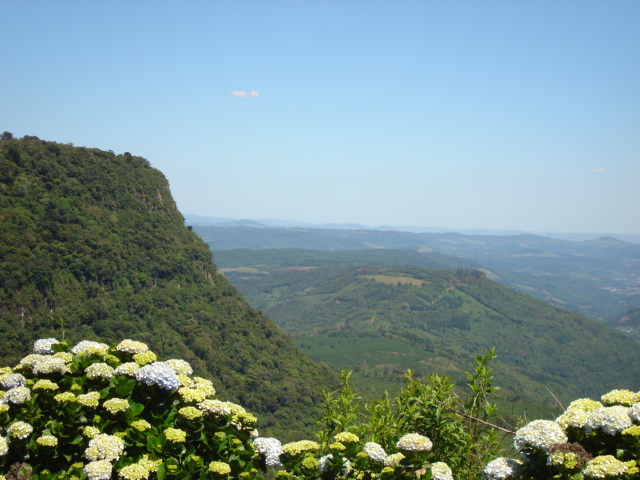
469, 115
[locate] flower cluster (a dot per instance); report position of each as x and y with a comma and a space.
43, 346
414, 442
104, 447
539, 434
590, 440
131, 346
441, 471
271, 449
158, 374
374, 451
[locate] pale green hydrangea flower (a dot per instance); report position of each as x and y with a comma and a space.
135, 471
96, 348
145, 358
45, 384
414, 442
346, 437
149, 463
131, 346
48, 365
186, 381
90, 399
181, 367
191, 395
66, 357
104, 447
220, 408
577, 413
99, 371
4, 446
19, 430
190, 413
47, 441
175, 435
220, 468
65, 397
141, 425
619, 397
604, 466
90, 432
295, 448
309, 463
116, 405
98, 470
394, 460
128, 369
337, 447
441, 471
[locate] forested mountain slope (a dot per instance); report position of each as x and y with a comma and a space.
382, 320
93, 247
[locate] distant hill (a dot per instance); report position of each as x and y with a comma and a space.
93, 247
597, 277
383, 320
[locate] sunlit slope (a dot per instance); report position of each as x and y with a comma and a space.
93, 247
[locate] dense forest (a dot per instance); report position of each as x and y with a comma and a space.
93, 247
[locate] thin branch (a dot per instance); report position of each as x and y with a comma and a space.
476, 419
554, 397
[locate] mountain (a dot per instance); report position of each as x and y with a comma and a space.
381, 320
597, 277
93, 247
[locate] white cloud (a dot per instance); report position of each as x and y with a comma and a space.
244, 94
598, 170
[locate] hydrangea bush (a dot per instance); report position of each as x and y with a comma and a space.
100, 412
590, 440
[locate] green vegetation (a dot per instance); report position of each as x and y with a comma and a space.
437, 321
597, 278
93, 247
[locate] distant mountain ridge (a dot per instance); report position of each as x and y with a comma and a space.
576, 236
93, 247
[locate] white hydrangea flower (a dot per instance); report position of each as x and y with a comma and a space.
374, 451
159, 374
131, 346
116, 405
4, 446
43, 346
86, 344
20, 430
128, 369
99, 371
502, 468
271, 449
539, 434
414, 442
611, 420
98, 470
181, 367
31, 360
49, 365
104, 447
441, 471
17, 395
634, 412
220, 408
13, 380
604, 466
577, 413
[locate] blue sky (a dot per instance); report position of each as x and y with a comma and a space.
456, 114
